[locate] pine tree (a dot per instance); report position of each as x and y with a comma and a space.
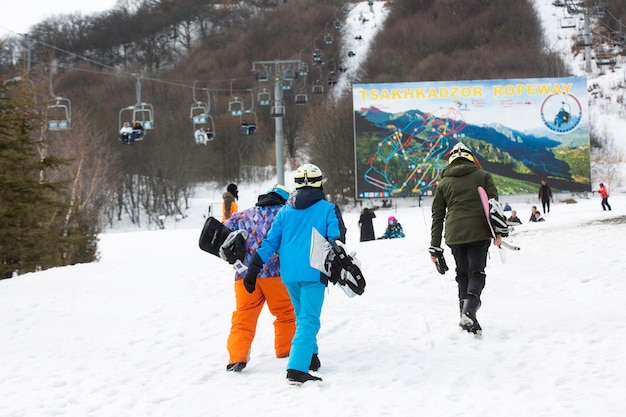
30, 233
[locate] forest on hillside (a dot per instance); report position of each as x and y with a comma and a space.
172, 54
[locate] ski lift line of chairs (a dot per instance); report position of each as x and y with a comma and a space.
59, 114
142, 117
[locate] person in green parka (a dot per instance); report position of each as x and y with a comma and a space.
467, 232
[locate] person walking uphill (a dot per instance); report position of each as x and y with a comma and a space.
604, 194
290, 236
256, 221
466, 230
229, 205
545, 195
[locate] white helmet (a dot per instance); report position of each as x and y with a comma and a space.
460, 150
308, 175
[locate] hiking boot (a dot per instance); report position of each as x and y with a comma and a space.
468, 321
298, 378
315, 363
235, 367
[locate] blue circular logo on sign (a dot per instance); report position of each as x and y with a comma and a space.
561, 113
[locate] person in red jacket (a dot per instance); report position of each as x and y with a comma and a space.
605, 196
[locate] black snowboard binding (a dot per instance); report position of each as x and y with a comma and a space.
356, 282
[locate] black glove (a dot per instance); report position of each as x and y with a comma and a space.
440, 262
256, 263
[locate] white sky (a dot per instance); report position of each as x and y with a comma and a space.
18, 16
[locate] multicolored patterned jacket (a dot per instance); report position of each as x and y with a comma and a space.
257, 221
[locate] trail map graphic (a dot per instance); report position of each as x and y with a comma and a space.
410, 156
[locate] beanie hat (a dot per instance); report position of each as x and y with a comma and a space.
280, 190
232, 188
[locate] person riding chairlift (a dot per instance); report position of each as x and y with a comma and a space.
125, 132
247, 128
138, 132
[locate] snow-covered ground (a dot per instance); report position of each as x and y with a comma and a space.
143, 331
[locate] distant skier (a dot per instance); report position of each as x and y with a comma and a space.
605, 196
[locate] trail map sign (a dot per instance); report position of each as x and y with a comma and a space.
521, 130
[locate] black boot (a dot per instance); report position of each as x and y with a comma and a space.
235, 367
468, 320
315, 363
295, 377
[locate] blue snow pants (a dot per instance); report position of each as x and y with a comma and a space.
307, 299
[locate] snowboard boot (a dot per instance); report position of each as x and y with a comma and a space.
315, 363
468, 320
235, 367
295, 377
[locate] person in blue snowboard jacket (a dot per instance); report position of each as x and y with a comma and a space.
290, 236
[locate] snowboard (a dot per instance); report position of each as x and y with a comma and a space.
484, 199
220, 241
213, 234
333, 260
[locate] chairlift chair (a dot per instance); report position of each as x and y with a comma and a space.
337, 24
264, 97
317, 56
568, 22
328, 39
235, 106
140, 113
301, 98
59, 114
248, 122
317, 89
262, 76
278, 109
289, 74
201, 119
303, 69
